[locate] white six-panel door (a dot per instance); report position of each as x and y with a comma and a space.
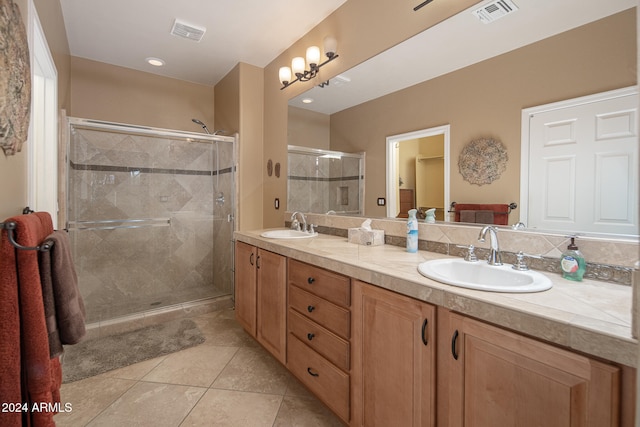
583, 164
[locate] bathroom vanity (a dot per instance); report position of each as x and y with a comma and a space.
380, 344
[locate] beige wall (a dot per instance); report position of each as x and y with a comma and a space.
357, 26
239, 108
486, 99
107, 92
308, 128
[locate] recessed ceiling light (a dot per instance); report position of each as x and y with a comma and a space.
156, 62
307, 100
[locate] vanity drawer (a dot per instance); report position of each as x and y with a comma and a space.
331, 286
321, 311
328, 382
325, 342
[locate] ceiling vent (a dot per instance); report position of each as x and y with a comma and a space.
495, 10
340, 80
187, 31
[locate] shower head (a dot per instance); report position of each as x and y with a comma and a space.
198, 122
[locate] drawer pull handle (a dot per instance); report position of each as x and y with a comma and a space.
258, 261
313, 374
310, 336
454, 339
251, 258
310, 308
424, 330
310, 280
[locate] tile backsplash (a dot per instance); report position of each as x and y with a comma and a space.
608, 260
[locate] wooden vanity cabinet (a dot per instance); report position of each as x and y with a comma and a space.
260, 296
489, 376
394, 350
319, 328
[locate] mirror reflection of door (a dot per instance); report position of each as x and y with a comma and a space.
430, 176
418, 172
583, 167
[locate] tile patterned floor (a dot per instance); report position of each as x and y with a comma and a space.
229, 380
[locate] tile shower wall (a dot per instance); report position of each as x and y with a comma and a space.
320, 184
143, 213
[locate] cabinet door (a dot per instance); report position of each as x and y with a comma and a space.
501, 378
245, 286
272, 303
393, 359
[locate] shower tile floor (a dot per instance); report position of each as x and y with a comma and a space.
229, 380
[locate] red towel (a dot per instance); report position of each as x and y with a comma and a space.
500, 211
28, 374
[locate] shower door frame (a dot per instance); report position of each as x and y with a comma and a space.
76, 122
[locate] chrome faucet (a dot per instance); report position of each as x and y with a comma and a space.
494, 256
297, 225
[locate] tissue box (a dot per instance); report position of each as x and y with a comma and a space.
366, 237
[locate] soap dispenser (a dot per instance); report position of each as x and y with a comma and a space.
412, 231
572, 262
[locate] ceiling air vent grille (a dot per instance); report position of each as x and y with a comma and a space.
495, 10
187, 31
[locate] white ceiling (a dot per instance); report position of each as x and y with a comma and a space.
453, 44
125, 32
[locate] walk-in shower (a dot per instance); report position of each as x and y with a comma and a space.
150, 214
322, 181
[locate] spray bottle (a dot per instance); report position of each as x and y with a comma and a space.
412, 232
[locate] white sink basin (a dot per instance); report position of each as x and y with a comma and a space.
287, 234
482, 276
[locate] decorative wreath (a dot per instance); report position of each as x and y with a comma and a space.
15, 79
482, 161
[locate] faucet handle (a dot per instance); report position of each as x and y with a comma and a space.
471, 254
521, 264
310, 229
295, 224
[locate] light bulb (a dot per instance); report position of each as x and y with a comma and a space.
297, 65
313, 56
330, 46
285, 75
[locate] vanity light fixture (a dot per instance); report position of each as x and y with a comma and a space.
421, 5
298, 63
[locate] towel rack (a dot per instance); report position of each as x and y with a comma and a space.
10, 226
511, 206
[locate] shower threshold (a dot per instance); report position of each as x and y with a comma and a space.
154, 316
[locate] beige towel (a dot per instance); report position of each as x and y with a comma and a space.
467, 216
69, 307
484, 217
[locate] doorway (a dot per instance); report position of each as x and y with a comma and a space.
428, 178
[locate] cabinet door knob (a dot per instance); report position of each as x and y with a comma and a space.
310, 336
454, 339
310, 308
313, 374
424, 332
310, 280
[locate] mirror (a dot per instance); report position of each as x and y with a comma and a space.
477, 80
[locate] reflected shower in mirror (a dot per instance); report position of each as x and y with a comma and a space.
323, 181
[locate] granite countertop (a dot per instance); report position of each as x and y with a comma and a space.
590, 316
